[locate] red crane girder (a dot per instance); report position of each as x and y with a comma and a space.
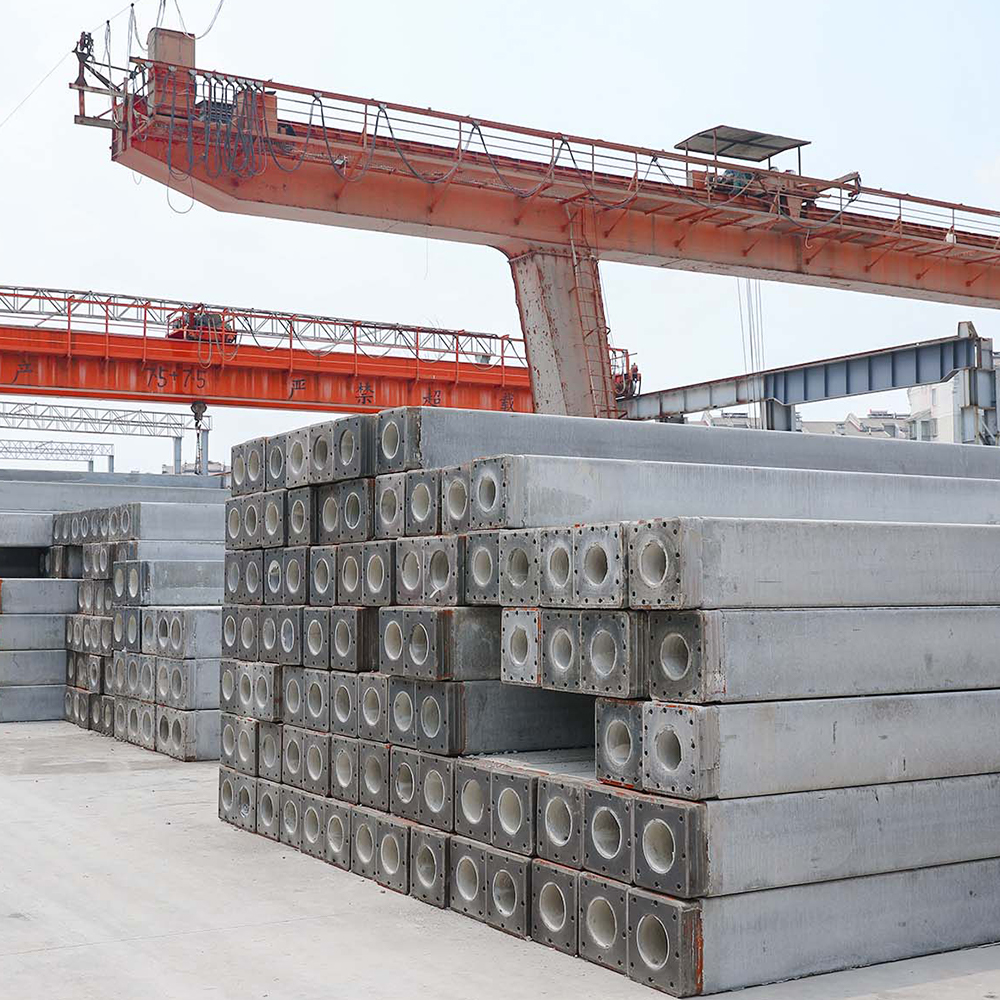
265, 148
59, 343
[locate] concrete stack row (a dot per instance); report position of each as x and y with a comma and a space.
780, 662
36, 576
143, 647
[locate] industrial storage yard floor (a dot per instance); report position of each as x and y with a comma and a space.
117, 879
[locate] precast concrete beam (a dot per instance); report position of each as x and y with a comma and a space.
422, 496
469, 884
34, 631
728, 942
444, 570
316, 688
150, 551
530, 491
344, 769
344, 706
268, 808
404, 783
473, 804
290, 827
434, 438
554, 905
602, 921
35, 597
726, 846
378, 570
354, 639
170, 584
345, 512
271, 514
350, 573
460, 717
392, 868
373, 707
558, 641
301, 516
293, 696
194, 735
103, 490
440, 643
323, 575
482, 567
454, 500
297, 457
238, 799
316, 638
338, 834
765, 655
183, 632
410, 570
619, 749
708, 563
316, 763
390, 505
269, 751
429, 865
764, 748
508, 898
293, 751
364, 841
26, 529
31, 702
373, 775
181, 521
313, 825
436, 788
187, 684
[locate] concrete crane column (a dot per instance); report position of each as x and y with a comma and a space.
565, 333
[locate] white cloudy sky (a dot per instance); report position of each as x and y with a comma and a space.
904, 92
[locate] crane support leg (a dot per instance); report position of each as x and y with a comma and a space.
565, 333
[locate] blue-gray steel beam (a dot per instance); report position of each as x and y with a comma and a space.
900, 367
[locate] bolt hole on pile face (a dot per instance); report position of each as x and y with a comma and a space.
595, 565
603, 652
482, 566
487, 492
518, 645
473, 801
410, 571
364, 843
504, 891
602, 924
376, 573
434, 791
405, 783
653, 563
558, 821
392, 639
561, 649
652, 941
373, 775
552, 907
457, 499
336, 835
510, 812
388, 507
420, 502
606, 833
314, 763
390, 440
389, 854
371, 706
467, 879
667, 748
658, 847
347, 447
517, 567
426, 867
430, 717
402, 711
559, 565
342, 703
675, 656
342, 637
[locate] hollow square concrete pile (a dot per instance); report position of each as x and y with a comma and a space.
143, 647
698, 722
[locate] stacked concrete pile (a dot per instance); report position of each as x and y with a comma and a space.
143, 661
37, 577
780, 689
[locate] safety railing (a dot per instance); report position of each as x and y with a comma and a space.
249, 125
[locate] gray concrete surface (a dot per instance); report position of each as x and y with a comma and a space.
156, 898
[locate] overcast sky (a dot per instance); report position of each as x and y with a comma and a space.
904, 92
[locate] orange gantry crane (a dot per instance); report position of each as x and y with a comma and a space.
554, 204
55, 342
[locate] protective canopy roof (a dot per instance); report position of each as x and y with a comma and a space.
739, 143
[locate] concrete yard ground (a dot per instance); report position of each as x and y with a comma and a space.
118, 880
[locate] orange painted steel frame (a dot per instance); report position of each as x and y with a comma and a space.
50, 362
631, 204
